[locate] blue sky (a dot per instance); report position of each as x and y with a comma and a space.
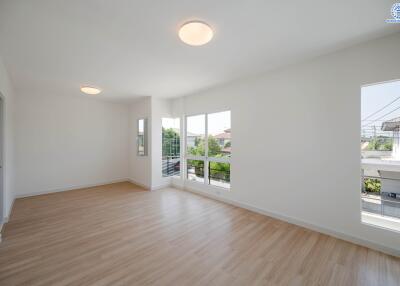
375, 97
217, 123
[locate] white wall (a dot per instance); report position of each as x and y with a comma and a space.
140, 166
296, 134
8, 160
147, 170
295, 139
69, 142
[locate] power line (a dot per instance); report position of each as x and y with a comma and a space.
397, 108
375, 120
369, 116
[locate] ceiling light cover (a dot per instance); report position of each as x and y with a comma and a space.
90, 90
196, 33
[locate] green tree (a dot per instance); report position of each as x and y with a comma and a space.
372, 185
213, 147
199, 148
171, 142
218, 170
387, 146
372, 145
380, 144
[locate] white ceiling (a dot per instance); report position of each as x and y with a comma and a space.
131, 48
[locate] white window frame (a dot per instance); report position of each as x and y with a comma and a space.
138, 153
180, 145
206, 159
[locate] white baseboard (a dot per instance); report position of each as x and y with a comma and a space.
152, 188
7, 218
327, 231
159, 187
70, 188
139, 184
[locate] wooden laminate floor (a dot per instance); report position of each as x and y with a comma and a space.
122, 235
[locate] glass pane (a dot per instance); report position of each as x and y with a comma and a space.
140, 145
219, 134
195, 134
380, 151
141, 138
141, 126
171, 147
195, 170
219, 174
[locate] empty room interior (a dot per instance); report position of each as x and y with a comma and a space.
199, 142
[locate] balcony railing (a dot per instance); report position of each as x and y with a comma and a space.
219, 175
171, 166
216, 176
375, 200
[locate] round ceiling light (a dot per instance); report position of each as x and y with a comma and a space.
90, 90
195, 33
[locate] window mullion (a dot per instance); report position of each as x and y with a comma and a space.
206, 179
183, 147
220, 160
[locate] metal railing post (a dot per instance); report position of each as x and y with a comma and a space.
209, 173
362, 181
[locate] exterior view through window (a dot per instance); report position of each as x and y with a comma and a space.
142, 137
171, 147
380, 150
208, 148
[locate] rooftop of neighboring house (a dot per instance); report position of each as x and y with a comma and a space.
188, 134
391, 125
227, 149
225, 135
